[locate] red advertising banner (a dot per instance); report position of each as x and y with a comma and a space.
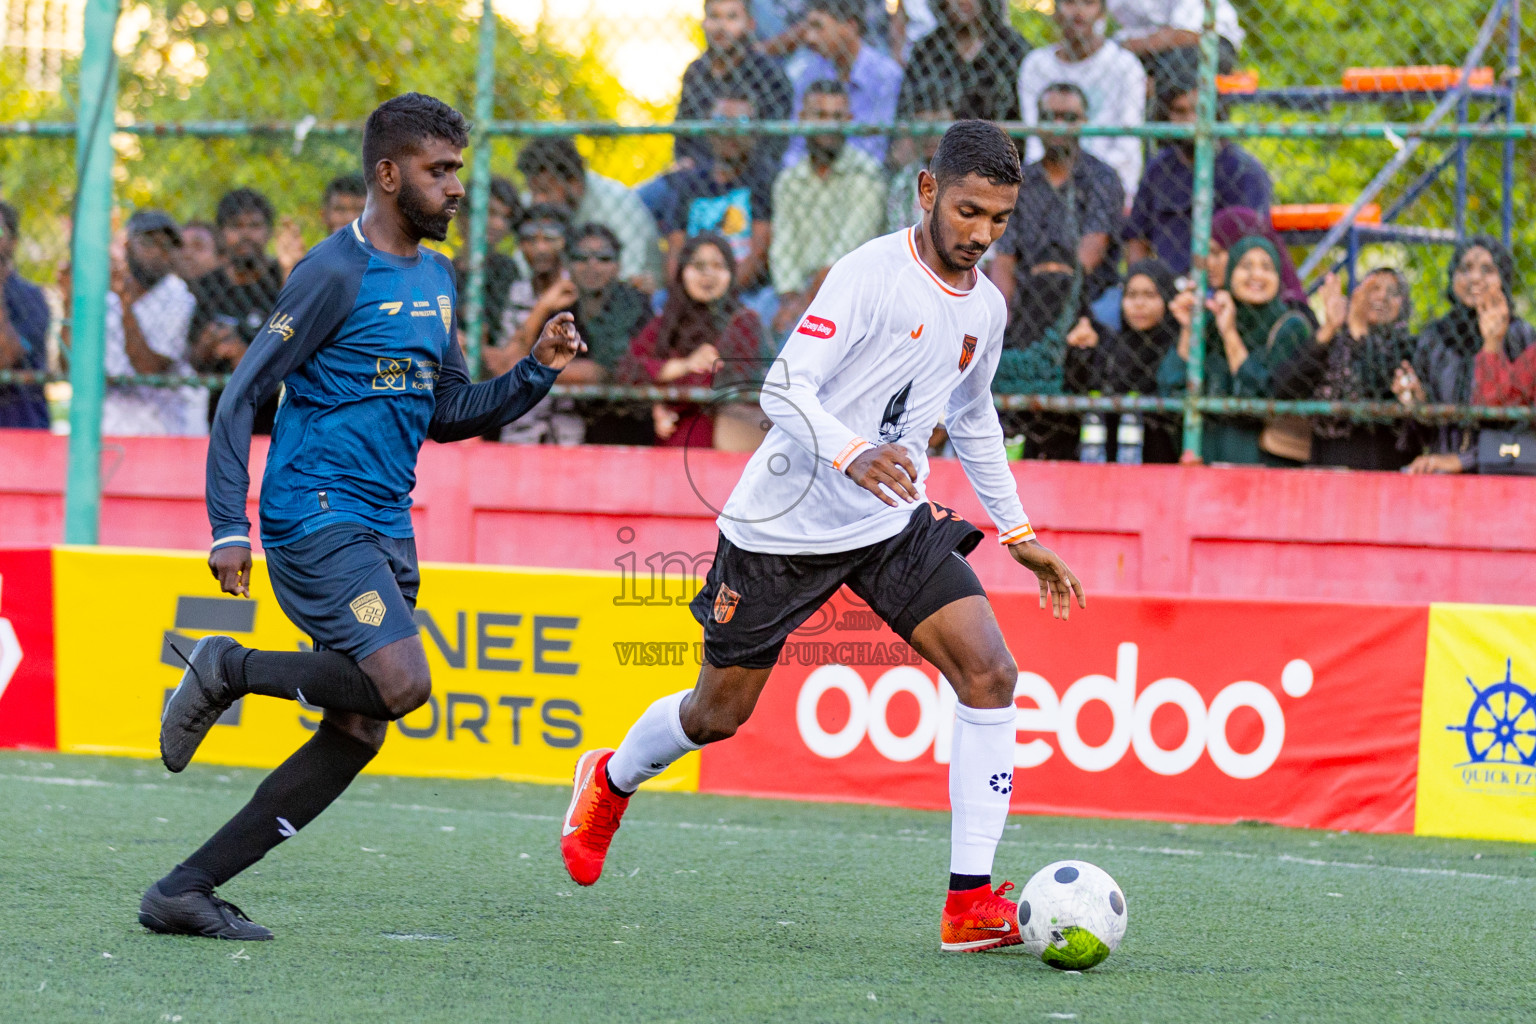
26, 649
1187, 709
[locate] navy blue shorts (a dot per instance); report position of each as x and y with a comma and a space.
352, 589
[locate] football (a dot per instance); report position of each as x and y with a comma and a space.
1072, 915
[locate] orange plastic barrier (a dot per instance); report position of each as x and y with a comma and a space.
1238, 82
1412, 79
1319, 216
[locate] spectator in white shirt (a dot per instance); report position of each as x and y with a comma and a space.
1108, 74
148, 313
1164, 31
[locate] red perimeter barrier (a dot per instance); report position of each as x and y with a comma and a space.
26, 650
1161, 529
1175, 709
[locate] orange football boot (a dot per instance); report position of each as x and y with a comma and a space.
978, 919
591, 819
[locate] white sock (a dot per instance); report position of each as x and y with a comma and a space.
651, 745
980, 781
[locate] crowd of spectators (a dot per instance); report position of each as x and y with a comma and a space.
689, 278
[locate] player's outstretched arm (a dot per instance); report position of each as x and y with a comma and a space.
466, 410
1058, 584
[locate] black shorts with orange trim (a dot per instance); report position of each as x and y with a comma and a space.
751, 602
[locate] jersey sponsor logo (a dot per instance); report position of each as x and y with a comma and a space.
967, 350
390, 307
368, 607
894, 423
817, 327
726, 601
445, 307
914, 335
391, 374
281, 323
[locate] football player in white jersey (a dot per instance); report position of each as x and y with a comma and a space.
904, 331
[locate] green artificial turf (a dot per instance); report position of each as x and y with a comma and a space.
426, 900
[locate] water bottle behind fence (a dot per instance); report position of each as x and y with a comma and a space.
1092, 439
1128, 438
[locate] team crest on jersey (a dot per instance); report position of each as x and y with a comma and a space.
445, 307
368, 607
391, 374
967, 350
725, 604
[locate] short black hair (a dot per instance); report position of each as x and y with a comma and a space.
1069, 88
344, 185
552, 156
976, 147
551, 212
398, 126
11, 218
842, 10
825, 87
242, 201
595, 230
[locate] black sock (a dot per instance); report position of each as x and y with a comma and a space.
321, 679
615, 790
959, 883
287, 800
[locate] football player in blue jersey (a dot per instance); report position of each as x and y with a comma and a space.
362, 343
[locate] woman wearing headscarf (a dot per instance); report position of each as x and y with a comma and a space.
1250, 331
703, 337
1353, 358
1131, 357
1234, 223
1480, 335
1050, 347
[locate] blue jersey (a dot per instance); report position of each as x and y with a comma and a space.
363, 344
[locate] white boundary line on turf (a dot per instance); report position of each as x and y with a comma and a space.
1161, 851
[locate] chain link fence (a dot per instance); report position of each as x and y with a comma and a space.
1297, 203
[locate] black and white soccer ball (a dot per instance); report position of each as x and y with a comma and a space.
1072, 915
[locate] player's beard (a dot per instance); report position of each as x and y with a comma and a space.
428, 223
941, 246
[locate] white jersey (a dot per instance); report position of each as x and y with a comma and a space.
885, 352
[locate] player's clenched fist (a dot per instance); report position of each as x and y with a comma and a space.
231, 566
888, 464
558, 342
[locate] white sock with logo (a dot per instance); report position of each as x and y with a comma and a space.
980, 781
651, 745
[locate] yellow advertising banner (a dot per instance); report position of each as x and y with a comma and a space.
529, 667
1477, 738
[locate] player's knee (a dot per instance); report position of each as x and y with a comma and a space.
991, 682
711, 724
406, 692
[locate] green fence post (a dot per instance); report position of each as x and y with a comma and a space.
90, 269
480, 186
1200, 229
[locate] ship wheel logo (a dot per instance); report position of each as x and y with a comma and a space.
1501, 723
